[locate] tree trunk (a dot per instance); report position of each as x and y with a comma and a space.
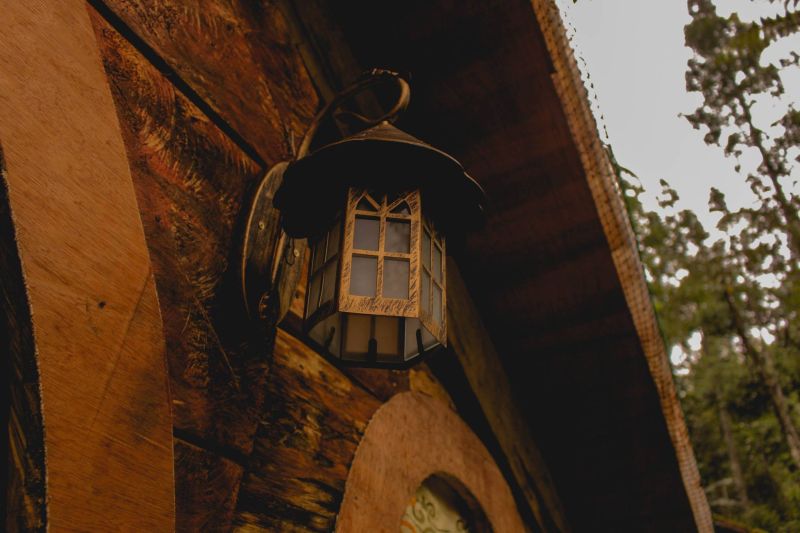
788, 211
733, 454
766, 369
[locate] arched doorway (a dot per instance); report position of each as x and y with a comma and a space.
416, 445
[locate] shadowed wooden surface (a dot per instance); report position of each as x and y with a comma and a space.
238, 57
305, 442
240, 406
23, 445
192, 183
96, 323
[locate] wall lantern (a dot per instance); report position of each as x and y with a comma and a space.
376, 207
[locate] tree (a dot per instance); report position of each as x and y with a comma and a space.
727, 69
703, 293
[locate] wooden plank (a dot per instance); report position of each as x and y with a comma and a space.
240, 60
99, 344
421, 379
194, 184
191, 182
308, 433
210, 483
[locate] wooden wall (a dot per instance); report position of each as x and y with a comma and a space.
208, 95
23, 496
83, 288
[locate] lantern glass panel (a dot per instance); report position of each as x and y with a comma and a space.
364, 277
387, 335
391, 305
323, 269
426, 248
402, 209
437, 263
395, 278
437, 304
358, 335
426, 291
367, 204
334, 236
313, 294
329, 282
398, 236
367, 235
319, 254
327, 333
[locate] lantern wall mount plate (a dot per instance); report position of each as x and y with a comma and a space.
376, 208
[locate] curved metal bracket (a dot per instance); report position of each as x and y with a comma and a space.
266, 254
367, 80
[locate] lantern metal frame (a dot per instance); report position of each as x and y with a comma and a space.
344, 175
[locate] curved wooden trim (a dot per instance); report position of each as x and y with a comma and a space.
411, 437
96, 323
614, 218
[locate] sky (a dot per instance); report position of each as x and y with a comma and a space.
634, 53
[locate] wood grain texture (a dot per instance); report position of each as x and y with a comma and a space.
306, 439
193, 185
388, 466
24, 487
96, 324
206, 488
239, 58
421, 379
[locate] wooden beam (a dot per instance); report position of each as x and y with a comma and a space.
234, 60
96, 324
611, 210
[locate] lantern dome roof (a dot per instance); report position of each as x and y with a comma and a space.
380, 158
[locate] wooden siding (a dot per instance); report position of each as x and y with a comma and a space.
95, 320
263, 434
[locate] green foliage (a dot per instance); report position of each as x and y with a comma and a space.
730, 303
